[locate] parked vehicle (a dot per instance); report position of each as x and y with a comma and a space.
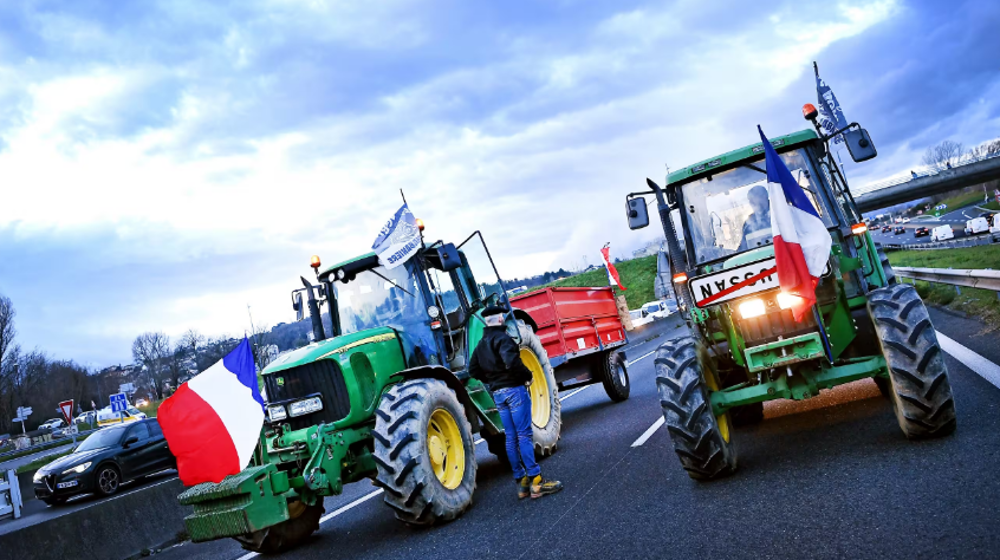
904, 221
976, 226
104, 461
899, 230
656, 309
639, 318
52, 424
581, 332
988, 216
89, 417
105, 417
921, 231
941, 233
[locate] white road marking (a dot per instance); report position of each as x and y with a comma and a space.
646, 355
985, 368
649, 432
571, 393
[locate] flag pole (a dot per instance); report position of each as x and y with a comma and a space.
402, 195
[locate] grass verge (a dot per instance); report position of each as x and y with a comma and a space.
39, 463
637, 276
983, 304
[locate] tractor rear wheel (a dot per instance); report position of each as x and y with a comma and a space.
918, 377
701, 439
890, 276
614, 374
424, 452
546, 409
303, 520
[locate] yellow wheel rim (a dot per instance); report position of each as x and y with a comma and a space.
541, 405
445, 447
723, 419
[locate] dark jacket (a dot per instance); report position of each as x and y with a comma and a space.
497, 361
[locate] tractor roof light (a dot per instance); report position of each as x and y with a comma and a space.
314, 262
420, 224
680, 278
858, 229
809, 112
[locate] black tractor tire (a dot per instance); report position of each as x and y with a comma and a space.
890, 276
497, 445
701, 444
613, 373
406, 421
545, 435
918, 377
303, 521
107, 480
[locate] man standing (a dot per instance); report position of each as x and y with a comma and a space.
497, 363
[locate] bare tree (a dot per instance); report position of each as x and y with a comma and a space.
259, 342
7, 330
151, 350
946, 154
985, 150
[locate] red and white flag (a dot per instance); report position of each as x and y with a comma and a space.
612, 271
212, 423
801, 241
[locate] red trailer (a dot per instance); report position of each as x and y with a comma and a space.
581, 331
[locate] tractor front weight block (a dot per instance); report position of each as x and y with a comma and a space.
242, 503
805, 383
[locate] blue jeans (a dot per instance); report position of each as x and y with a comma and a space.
514, 405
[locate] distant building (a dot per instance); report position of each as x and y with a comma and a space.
651, 248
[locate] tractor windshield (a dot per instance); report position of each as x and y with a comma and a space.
381, 298
729, 212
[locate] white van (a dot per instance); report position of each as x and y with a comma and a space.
977, 225
941, 233
106, 417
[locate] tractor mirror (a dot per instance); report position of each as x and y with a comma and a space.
635, 210
297, 306
444, 257
860, 145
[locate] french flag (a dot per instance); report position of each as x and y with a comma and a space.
212, 422
801, 242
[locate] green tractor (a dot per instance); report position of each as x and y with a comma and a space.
385, 397
744, 346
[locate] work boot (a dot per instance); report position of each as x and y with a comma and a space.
541, 487
523, 488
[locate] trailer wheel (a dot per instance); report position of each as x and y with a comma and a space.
303, 521
614, 375
918, 377
701, 439
424, 453
546, 409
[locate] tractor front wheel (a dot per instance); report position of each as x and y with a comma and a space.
918, 377
424, 452
701, 439
303, 520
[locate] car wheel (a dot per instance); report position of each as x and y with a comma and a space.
108, 480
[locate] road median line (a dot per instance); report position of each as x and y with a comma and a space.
977, 363
648, 433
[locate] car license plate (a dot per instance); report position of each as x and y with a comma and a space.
704, 287
69, 484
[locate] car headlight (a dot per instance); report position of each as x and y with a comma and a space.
276, 412
305, 406
38, 476
77, 469
752, 308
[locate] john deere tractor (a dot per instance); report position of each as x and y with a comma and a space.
381, 394
744, 345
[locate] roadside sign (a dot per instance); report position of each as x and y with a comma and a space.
24, 411
118, 402
66, 407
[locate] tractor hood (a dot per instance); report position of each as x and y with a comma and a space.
329, 348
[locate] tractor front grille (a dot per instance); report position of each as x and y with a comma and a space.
774, 323
324, 377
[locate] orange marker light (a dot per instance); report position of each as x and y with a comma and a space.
680, 278
858, 229
809, 112
420, 224
314, 261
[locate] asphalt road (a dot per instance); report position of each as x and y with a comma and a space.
835, 479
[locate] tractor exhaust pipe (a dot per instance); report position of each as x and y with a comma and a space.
314, 314
678, 262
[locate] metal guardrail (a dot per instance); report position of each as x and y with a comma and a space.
10, 494
44, 446
969, 278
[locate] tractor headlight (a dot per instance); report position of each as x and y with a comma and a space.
305, 406
787, 301
752, 308
77, 469
276, 412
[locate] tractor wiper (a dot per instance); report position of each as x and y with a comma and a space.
393, 282
754, 167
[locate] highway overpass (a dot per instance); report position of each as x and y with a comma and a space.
928, 182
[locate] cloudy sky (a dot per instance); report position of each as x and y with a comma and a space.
164, 163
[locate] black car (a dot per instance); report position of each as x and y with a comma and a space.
899, 230
921, 231
886, 229
105, 460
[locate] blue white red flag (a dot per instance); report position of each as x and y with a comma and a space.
398, 240
801, 242
212, 423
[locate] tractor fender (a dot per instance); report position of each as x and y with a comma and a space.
522, 315
444, 374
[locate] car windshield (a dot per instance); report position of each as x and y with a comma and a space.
102, 438
729, 212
